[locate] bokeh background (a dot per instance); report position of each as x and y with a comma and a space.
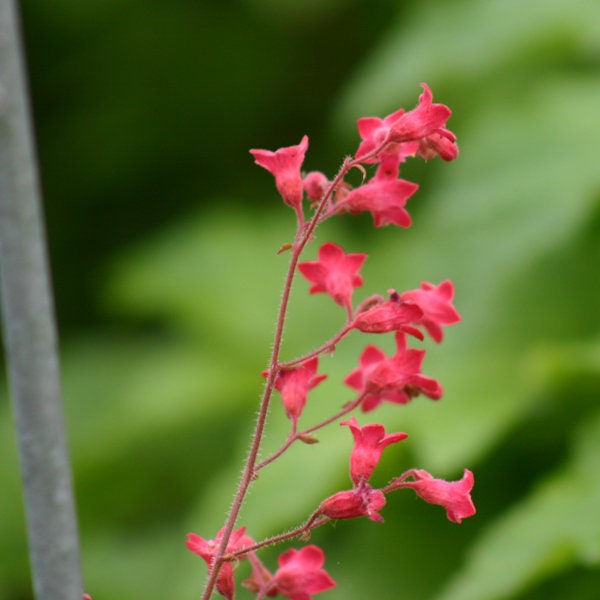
163, 237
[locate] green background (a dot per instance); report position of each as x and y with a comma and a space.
163, 238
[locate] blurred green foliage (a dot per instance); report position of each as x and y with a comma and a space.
163, 237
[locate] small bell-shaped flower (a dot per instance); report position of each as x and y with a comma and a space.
334, 273
207, 550
454, 496
285, 164
301, 574
361, 501
436, 303
384, 197
424, 120
393, 314
294, 385
396, 379
369, 443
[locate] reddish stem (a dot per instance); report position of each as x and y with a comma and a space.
294, 436
326, 347
313, 522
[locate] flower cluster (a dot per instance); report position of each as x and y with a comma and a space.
385, 144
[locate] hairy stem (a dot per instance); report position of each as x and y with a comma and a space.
303, 236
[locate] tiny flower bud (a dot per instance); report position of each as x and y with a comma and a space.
315, 184
308, 439
392, 315
358, 502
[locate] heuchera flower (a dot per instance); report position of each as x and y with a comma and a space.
285, 165
315, 183
260, 577
436, 304
424, 120
369, 443
454, 496
294, 385
396, 379
374, 132
300, 573
207, 550
362, 501
442, 144
393, 314
384, 197
335, 273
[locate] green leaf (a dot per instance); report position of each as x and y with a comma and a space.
554, 528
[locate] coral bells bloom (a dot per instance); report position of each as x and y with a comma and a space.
315, 184
374, 131
335, 273
424, 120
393, 314
300, 573
285, 165
454, 496
207, 550
369, 443
294, 385
362, 501
436, 304
384, 197
442, 144
396, 379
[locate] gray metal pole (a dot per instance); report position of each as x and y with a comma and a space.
30, 338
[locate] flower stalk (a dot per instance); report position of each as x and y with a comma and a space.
386, 143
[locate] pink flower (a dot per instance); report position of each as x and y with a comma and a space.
454, 496
207, 550
384, 197
300, 573
369, 443
393, 314
285, 165
294, 385
396, 379
436, 304
315, 184
442, 144
260, 577
335, 273
374, 131
362, 501
424, 120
